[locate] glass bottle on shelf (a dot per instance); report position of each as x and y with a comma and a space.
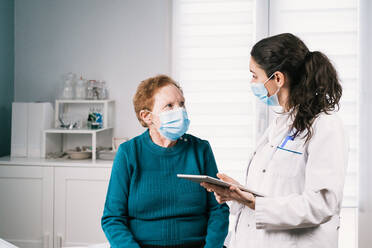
91, 118
96, 90
103, 91
99, 117
95, 118
90, 90
80, 89
68, 90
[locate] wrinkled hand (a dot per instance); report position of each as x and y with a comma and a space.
230, 194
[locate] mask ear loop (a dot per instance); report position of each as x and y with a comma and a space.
276, 92
267, 80
150, 113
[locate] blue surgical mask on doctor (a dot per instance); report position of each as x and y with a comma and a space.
260, 91
174, 123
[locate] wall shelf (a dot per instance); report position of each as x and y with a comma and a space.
81, 130
60, 139
83, 101
66, 105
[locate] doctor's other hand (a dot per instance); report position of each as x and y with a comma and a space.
226, 178
230, 194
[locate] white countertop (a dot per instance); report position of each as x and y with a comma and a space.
7, 160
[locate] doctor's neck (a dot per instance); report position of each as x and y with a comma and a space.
283, 96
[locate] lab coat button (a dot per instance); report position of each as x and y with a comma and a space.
263, 171
271, 146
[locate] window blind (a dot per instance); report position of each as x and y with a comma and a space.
212, 40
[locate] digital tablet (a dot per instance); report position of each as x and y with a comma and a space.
212, 180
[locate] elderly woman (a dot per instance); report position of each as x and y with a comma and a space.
146, 204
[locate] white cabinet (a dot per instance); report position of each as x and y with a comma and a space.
79, 200
52, 206
26, 205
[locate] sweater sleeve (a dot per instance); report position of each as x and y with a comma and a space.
115, 215
325, 175
218, 221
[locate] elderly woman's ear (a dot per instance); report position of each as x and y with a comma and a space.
146, 116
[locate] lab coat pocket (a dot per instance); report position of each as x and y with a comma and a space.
288, 160
292, 146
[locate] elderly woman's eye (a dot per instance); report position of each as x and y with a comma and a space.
169, 105
182, 104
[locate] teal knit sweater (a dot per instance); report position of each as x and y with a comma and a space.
147, 204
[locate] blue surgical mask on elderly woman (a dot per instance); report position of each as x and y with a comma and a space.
260, 91
174, 123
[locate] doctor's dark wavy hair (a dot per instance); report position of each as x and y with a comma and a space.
314, 86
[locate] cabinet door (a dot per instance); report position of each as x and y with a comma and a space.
26, 205
79, 200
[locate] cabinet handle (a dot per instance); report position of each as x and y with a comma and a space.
46, 240
59, 241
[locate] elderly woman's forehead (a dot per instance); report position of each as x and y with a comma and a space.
169, 91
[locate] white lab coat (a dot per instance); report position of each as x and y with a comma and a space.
304, 187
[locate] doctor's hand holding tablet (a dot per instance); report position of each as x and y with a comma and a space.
225, 189
232, 193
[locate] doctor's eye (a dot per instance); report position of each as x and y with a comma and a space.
253, 77
182, 104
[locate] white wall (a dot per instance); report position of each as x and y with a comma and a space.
120, 41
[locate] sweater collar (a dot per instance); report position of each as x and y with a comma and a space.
178, 147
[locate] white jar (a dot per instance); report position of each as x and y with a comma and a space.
68, 90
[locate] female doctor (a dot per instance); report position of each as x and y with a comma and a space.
299, 164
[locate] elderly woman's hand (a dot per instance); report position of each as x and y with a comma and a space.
230, 194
